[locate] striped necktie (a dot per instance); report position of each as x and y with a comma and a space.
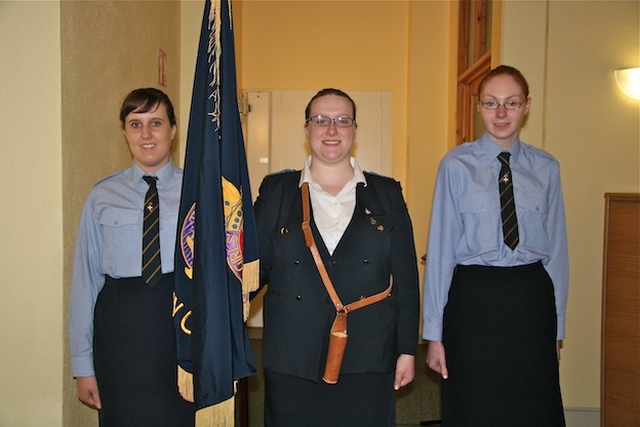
507, 203
151, 266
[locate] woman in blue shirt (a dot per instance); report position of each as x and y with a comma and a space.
496, 281
120, 327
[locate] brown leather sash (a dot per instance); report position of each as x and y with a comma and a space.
338, 334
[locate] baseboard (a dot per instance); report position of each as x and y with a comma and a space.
582, 417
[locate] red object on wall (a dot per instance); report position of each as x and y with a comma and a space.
162, 68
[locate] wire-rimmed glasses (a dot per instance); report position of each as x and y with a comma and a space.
342, 121
493, 105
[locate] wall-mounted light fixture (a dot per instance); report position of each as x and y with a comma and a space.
629, 81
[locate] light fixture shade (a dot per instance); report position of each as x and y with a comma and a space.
629, 81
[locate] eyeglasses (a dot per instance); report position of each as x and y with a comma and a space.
493, 105
341, 122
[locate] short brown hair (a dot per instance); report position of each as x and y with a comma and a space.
144, 100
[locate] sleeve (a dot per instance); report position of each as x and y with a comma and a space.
404, 269
265, 247
445, 231
558, 264
86, 283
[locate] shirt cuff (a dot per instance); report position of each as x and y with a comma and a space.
82, 366
432, 330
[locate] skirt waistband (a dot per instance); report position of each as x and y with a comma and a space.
525, 267
128, 282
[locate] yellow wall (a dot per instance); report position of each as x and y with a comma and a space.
568, 51
430, 111
31, 276
351, 45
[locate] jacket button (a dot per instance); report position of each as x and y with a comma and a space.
298, 297
283, 230
296, 262
365, 261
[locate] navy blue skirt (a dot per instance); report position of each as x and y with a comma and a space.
135, 356
357, 400
499, 335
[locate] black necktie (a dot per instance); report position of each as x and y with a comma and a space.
151, 266
507, 203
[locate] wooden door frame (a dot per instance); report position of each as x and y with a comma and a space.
469, 76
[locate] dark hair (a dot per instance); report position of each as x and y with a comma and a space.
144, 100
329, 91
509, 71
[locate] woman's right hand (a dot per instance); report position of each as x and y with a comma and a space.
88, 391
436, 359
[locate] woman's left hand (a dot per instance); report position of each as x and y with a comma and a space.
405, 370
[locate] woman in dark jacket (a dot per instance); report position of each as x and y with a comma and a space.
362, 232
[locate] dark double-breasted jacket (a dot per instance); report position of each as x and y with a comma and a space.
378, 244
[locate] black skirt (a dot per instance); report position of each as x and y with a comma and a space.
357, 400
135, 356
499, 335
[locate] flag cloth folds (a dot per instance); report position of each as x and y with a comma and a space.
216, 248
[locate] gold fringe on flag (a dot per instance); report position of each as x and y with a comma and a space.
185, 385
219, 415
250, 282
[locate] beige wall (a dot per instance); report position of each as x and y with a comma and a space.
80, 72
31, 277
108, 48
568, 51
190, 22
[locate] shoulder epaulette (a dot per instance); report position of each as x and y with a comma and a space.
281, 172
377, 174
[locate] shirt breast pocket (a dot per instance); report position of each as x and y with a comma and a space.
480, 215
533, 214
121, 233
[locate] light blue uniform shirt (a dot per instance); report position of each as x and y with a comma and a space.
466, 226
110, 243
